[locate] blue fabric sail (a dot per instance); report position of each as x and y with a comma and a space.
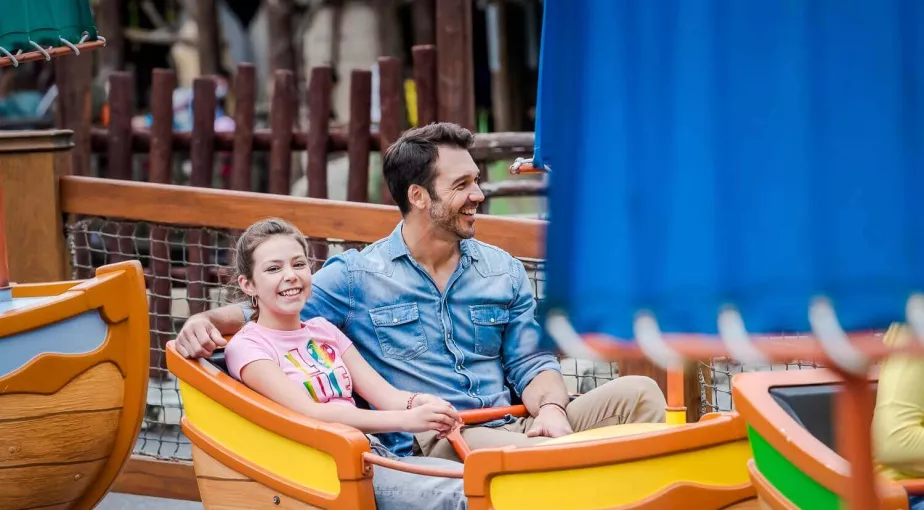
714, 152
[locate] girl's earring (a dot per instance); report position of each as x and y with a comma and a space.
253, 301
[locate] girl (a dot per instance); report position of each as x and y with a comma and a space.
313, 368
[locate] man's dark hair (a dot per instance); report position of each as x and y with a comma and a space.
412, 159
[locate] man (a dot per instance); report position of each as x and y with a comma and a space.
435, 311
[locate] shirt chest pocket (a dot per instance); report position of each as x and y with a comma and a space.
400, 333
489, 322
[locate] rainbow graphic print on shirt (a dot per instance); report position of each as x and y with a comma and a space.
326, 378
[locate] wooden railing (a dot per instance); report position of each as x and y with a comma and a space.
120, 141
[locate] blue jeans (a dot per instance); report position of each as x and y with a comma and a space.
398, 490
916, 503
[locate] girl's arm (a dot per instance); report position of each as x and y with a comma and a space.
265, 377
372, 386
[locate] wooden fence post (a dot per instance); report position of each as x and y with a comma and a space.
32, 210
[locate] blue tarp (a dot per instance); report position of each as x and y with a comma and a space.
756, 153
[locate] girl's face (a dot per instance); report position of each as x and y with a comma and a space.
281, 282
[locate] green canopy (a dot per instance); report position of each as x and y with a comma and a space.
47, 23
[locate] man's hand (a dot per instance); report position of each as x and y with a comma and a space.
198, 338
551, 422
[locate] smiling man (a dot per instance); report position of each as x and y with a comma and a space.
435, 311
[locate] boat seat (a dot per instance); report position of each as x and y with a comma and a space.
218, 359
811, 407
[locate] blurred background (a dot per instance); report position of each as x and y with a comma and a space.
473, 62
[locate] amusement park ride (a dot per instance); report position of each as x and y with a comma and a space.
719, 171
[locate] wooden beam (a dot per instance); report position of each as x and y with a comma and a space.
32, 217
109, 23
423, 17
499, 65
228, 209
209, 46
144, 476
454, 60
74, 111
488, 146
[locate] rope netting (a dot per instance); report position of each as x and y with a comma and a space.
187, 271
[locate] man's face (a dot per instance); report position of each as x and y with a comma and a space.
456, 193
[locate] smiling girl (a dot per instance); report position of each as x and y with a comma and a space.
312, 368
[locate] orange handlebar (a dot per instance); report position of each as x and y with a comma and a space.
492, 413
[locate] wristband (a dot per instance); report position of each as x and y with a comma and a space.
410, 401
556, 405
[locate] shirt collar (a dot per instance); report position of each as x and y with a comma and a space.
398, 248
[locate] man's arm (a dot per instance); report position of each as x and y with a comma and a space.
202, 333
535, 374
547, 387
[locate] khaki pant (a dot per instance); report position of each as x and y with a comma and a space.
627, 399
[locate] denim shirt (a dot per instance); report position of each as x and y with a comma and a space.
470, 345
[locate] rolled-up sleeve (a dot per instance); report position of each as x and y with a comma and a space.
523, 359
331, 296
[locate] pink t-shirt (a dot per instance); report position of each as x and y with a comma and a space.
311, 356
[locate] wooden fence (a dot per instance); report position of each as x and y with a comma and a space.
119, 142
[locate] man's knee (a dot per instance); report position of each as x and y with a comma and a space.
646, 388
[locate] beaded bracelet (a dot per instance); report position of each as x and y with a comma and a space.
410, 401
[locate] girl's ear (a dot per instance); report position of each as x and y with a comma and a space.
246, 285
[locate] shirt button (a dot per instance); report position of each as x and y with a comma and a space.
395, 320
492, 319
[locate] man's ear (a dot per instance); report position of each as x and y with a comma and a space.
418, 197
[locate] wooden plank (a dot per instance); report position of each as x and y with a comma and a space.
360, 142
144, 476
245, 100
44, 485
237, 210
96, 389
58, 438
282, 117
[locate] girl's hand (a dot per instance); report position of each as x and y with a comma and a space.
437, 416
426, 398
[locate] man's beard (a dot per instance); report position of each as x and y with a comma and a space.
448, 220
